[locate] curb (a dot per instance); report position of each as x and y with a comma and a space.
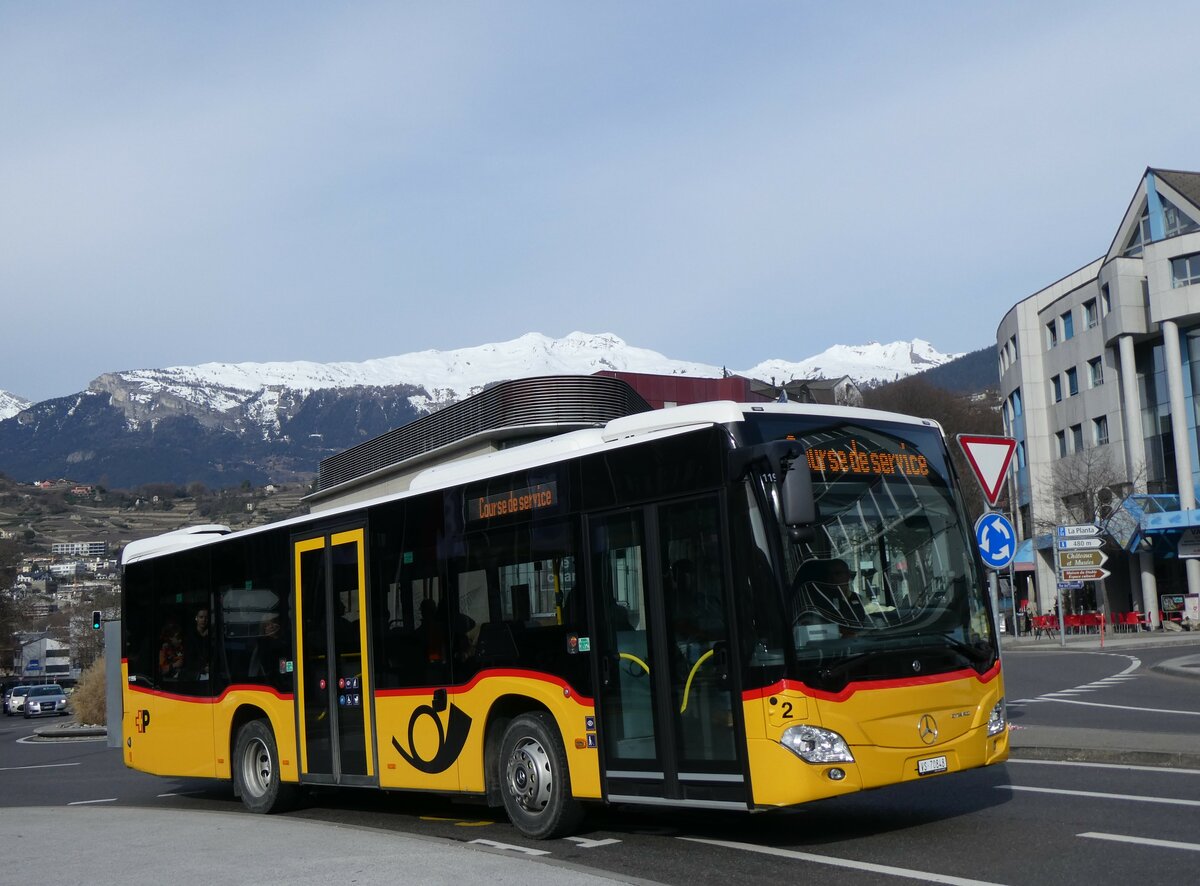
69, 733
1157, 759
1184, 666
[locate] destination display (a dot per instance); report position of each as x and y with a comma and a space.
518, 501
851, 460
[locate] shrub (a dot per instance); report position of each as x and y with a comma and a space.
88, 700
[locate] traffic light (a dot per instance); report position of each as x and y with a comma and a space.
95, 619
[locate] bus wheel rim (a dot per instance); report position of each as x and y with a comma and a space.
256, 767
529, 775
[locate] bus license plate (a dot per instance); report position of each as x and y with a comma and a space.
932, 765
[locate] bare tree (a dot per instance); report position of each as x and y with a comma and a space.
1085, 488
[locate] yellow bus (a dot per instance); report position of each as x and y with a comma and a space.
717, 606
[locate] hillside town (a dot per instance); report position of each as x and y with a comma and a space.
60, 546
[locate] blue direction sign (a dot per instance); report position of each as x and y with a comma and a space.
997, 540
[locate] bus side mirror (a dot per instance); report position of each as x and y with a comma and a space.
799, 507
787, 460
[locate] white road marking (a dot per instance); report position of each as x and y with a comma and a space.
88, 802
1099, 795
585, 843
509, 847
845, 863
1122, 707
1165, 770
39, 766
1142, 841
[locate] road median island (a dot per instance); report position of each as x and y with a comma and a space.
68, 732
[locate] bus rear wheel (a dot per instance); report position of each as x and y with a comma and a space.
534, 780
256, 775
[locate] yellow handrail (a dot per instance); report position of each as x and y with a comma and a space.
628, 656
687, 687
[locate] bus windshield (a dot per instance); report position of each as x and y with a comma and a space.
886, 583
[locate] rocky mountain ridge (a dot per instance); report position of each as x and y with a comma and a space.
222, 424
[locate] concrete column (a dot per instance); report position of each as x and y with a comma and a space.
1135, 462
1131, 416
1149, 588
1181, 435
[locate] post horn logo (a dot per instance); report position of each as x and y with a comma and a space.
450, 738
927, 729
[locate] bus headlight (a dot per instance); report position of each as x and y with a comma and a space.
998, 719
815, 745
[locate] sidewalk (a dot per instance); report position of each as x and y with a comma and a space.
145, 846
1179, 749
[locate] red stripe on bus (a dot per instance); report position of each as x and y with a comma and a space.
863, 686
568, 690
198, 699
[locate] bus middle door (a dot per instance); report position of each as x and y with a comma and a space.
333, 681
669, 731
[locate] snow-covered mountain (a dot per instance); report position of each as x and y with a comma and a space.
11, 404
444, 377
225, 423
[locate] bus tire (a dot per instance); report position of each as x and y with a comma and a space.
534, 779
256, 773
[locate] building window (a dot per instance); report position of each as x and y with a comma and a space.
1096, 372
1060, 439
1100, 430
1105, 300
1020, 456
1068, 326
1175, 221
1016, 402
1077, 438
1185, 270
1072, 382
1056, 387
1090, 315
1051, 333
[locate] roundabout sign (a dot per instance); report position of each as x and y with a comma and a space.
997, 540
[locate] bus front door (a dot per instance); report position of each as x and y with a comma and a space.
669, 731
333, 687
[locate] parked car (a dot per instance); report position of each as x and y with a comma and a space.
42, 701
14, 699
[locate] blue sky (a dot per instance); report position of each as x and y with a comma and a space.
722, 182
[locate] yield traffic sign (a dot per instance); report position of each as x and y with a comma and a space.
989, 458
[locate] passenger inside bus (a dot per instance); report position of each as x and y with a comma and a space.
170, 652
197, 647
822, 592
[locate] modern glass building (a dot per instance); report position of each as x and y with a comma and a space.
1098, 373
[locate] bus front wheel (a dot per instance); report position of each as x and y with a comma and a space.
256, 770
534, 779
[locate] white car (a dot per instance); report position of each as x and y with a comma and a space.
14, 699
43, 701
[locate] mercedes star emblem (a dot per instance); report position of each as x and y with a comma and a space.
927, 729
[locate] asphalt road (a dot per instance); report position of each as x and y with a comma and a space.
1027, 822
